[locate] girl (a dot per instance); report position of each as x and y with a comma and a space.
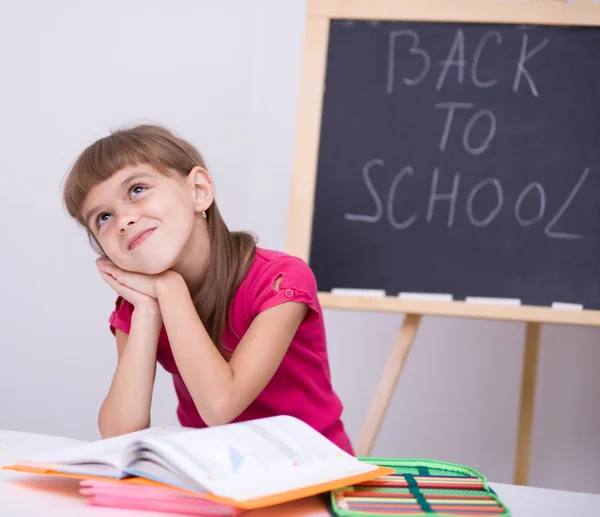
240, 328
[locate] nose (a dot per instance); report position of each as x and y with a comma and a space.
126, 220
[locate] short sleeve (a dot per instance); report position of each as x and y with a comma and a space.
120, 317
297, 284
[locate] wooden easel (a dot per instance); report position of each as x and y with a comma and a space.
415, 310
319, 14
391, 374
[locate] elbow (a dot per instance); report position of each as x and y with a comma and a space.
217, 413
110, 427
110, 430
214, 420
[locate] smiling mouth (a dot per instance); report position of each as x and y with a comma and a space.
140, 238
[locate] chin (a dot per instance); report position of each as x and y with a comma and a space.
151, 267
151, 260
154, 269
151, 270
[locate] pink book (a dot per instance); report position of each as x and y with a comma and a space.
140, 497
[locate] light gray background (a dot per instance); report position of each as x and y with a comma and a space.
225, 75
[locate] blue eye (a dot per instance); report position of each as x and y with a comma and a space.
136, 189
102, 218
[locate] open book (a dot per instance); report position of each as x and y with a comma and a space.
245, 464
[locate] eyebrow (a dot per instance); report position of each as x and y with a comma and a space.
124, 184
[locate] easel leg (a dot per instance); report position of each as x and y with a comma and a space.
387, 384
528, 382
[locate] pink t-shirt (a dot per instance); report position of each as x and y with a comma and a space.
301, 386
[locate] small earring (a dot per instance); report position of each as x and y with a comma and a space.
204, 214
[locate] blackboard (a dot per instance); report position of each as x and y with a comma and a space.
462, 159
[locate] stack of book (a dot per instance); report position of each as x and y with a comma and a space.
222, 470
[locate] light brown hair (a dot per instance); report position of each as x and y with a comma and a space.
231, 253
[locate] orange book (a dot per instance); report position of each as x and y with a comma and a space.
245, 464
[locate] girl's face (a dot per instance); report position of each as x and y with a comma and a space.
145, 220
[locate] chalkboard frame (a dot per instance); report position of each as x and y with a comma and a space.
319, 15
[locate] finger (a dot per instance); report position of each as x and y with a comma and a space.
114, 271
103, 261
120, 288
106, 265
110, 280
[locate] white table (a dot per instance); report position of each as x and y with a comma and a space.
24, 495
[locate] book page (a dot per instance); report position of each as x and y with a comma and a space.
258, 458
93, 458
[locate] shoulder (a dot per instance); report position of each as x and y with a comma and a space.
276, 265
276, 277
271, 258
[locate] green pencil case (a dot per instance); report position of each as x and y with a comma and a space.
419, 487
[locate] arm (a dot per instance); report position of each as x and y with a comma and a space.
126, 408
221, 390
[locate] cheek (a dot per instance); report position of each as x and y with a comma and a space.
110, 247
154, 205
180, 214
182, 227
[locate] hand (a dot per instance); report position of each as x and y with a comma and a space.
137, 299
139, 282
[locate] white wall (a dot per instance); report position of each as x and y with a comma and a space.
225, 75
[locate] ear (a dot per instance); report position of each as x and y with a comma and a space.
201, 186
